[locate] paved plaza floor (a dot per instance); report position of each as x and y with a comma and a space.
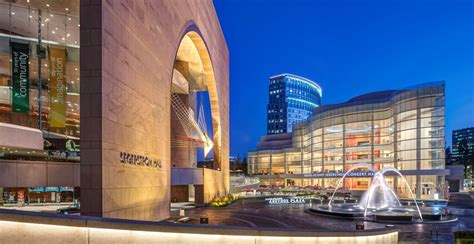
259, 214
38, 208
248, 213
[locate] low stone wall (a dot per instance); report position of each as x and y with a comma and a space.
22, 173
30, 227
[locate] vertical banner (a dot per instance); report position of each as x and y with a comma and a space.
57, 88
20, 77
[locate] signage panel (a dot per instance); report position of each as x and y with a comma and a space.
20, 77
66, 188
283, 200
57, 88
38, 189
134, 159
337, 175
51, 189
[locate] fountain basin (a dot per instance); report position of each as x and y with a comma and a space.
390, 218
400, 214
380, 202
356, 214
355, 211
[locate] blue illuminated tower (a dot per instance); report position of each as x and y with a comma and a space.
291, 99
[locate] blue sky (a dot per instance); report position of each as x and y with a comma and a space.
349, 48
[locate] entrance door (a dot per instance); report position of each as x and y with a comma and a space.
427, 189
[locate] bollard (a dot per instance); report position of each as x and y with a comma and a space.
360, 225
204, 220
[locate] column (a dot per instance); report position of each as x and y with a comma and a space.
286, 166
372, 141
302, 151
271, 165
418, 152
395, 154
312, 149
322, 155
343, 149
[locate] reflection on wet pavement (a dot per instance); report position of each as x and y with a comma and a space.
258, 214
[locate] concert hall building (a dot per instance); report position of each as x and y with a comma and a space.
402, 128
97, 101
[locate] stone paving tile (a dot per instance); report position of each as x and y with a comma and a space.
259, 214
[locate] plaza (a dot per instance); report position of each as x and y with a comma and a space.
257, 213
164, 121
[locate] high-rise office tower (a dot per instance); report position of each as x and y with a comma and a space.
459, 136
291, 99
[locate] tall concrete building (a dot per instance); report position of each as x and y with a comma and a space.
101, 107
291, 99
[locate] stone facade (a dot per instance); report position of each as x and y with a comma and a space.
128, 49
23, 173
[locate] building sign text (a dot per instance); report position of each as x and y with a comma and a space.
133, 159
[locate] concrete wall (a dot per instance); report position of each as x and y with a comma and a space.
128, 49
187, 176
14, 173
180, 193
456, 177
209, 181
20, 136
44, 228
213, 184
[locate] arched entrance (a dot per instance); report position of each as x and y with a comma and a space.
195, 120
126, 103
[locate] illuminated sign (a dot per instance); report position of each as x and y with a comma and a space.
281, 200
51, 189
57, 88
20, 77
133, 159
63, 154
336, 175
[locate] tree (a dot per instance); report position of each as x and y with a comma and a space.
448, 155
243, 166
464, 158
470, 166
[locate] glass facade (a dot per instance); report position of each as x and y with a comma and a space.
462, 138
26, 68
59, 31
291, 99
404, 129
463, 153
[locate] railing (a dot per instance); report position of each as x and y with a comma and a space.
39, 155
29, 227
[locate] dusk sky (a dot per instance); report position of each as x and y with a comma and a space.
348, 48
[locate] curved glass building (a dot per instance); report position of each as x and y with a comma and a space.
291, 99
398, 128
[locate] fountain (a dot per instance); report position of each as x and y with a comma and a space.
379, 202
